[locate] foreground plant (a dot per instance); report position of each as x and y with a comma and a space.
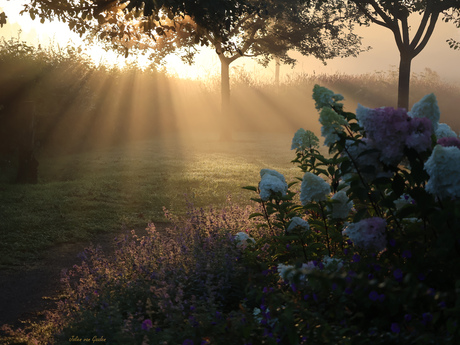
384, 206
182, 286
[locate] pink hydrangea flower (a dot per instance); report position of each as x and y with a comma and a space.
368, 233
391, 130
449, 141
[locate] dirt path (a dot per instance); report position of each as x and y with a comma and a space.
26, 293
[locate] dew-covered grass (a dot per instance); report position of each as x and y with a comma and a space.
83, 194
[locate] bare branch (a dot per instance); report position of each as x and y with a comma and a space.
405, 31
421, 29
429, 31
365, 11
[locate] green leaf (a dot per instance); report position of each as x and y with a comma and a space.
398, 185
316, 246
292, 183
257, 214
250, 188
360, 215
345, 166
355, 127
367, 152
382, 180
322, 171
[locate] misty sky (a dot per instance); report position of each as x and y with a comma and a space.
383, 57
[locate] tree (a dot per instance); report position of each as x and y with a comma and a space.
267, 30
275, 29
2, 19
394, 15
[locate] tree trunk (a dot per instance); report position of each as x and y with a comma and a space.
404, 80
277, 71
225, 123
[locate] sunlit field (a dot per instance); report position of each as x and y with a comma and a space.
82, 194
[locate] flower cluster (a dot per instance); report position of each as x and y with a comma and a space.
325, 98
271, 182
449, 141
341, 206
403, 200
304, 139
368, 233
313, 188
391, 130
242, 240
444, 131
298, 223
427, 108
443, 167
332, 125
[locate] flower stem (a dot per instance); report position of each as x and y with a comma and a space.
326, 228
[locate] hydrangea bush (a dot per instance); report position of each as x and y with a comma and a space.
366, 250
384, 205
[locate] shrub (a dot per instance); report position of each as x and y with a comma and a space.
393, 276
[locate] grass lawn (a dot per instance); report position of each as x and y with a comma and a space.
80, 195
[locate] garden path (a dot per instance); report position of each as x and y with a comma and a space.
25, 293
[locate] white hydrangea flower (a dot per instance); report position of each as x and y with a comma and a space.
444, 131
332, 264
331, 125
362, 114
243, 240
313, 188
304, 139
443, 166
324, 97
329, 264
403, 200
308, 267
427, 107
298, 222
271, 182
342, 205
257, 313
368, 233
286, 272
272, 172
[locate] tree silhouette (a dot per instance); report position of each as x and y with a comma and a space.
394, 16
